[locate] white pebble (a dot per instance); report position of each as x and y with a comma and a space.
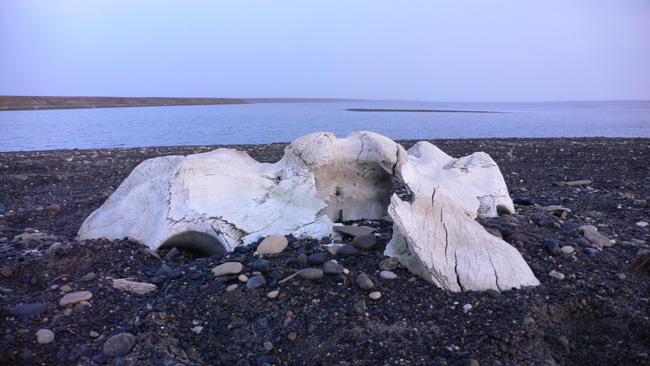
389, 275
231, 288
243, 278
44, 336
467, 307
273, 294
375, 295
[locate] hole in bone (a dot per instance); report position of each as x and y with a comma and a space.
195, 241
503, 210
354, 191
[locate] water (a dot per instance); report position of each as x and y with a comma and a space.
267, 123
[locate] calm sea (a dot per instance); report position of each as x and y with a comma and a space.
283, 122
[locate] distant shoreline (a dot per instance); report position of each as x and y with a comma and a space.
415, 110
29, 103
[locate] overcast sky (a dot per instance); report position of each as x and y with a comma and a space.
416, 50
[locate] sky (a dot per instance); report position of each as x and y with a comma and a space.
453, 51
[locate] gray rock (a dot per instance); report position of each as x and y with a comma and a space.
119, 345
332, 268
591, 251
44, 336
596, 238
389, 264
262, 265
364, 282
28, 309
556, 275
528, 320
89, 277
582, 242
493, 293
165, 270
347, 251
255, 282
173, 253
552, 247
389, 275
311, 273
302, 260
365, 242
360, 306
354, 230
494, 232
317, 259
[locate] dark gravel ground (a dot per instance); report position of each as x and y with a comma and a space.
599, 314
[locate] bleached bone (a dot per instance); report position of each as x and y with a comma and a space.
217, 200
436, 239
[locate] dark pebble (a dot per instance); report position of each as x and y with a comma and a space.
255, 282
523, 201
493, 293
165, 270
157, 280
119, 345
262, 265
552, 247
265, 360
317, 259
365, 242
347, 251
29, 309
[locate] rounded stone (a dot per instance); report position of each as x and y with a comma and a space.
493, 293
119, 345
552, 247
292, 336
333, 268
75, 297
231, 288
311, 273
375, 295
389, 275
242, 278
333, 249
389, 264
365, 242
347, 251
317, 259
556, 275
255, 282
44, 336
302, 260
273, 294
28, 309
567, 249
364, 282
268, 346
272, 244
262, 265
227, 268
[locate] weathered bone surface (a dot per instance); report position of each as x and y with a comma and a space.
435, 239
217, 200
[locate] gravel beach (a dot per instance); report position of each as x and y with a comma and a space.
60, 303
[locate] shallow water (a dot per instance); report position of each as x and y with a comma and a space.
283, 122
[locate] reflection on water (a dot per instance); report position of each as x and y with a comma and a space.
267, 123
